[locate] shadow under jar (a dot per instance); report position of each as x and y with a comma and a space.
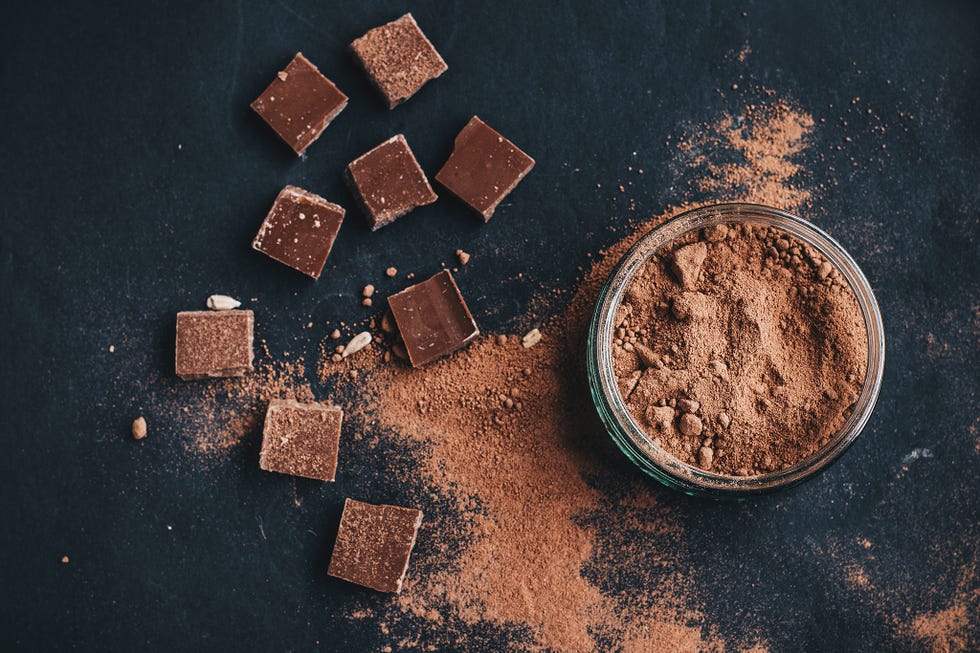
633, 433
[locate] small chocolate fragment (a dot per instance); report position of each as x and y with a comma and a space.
301, 439
300, 103
374, 544
483, 168
213, 344
388, 182
433, 318
398, 58
299, 230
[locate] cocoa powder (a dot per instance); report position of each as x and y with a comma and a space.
740, 350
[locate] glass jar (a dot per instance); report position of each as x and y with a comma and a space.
631, 438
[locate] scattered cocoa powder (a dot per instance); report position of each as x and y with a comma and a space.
945, 631
516, 540
740, 350
529, 540
766, 139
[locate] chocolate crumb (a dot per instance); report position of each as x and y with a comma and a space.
139, 428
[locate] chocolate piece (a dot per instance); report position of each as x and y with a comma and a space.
299, 230
483, 168
213, 344
301, 439
374, 544
433, 318
398, 59
300, 103
389, 182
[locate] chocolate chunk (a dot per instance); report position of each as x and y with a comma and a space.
299, 230
433, 318
483, 168
300, 103
301, 439
374, 544
389, 182
213, 344
398, 59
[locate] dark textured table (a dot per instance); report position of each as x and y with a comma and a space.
134, 176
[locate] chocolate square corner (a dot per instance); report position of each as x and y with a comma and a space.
213, 344
374, 544
388, 182
299, 103
483, 168
398, 58
432, 318
299, 230
301, 439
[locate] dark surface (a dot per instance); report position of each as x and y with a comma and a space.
135, 176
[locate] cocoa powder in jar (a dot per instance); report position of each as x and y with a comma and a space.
740, 350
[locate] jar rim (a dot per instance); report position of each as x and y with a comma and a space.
633, 440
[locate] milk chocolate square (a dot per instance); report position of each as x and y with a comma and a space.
300, 103
299, 230
398, 58
432, 318
483, 168
213, 344
301, 439
374, 544
389, 182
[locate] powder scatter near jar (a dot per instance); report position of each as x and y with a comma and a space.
526, 528
767, 139
750, 327
536, 509
526, 548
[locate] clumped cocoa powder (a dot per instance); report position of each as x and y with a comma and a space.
740, 350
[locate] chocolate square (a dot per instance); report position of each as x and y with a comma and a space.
374, 544
213, 344
433, 318
483, 168
389, 182
300, 103
398, 58
301, 439
299, 230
